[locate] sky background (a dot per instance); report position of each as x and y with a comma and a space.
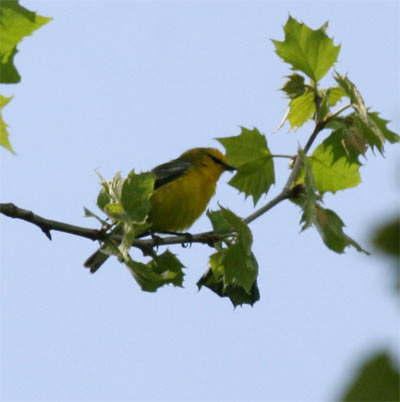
116, 85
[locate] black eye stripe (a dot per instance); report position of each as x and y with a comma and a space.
216, 160
219, 162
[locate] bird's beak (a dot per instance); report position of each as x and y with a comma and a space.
228, 167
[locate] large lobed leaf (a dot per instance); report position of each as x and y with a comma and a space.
307, 50
233, 269
16, 22
301, 109
309, 195
327, 222
250, 154
330, 227
302, 105
331, 167
162, 270
373, 128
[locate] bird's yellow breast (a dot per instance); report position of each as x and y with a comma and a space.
176, 205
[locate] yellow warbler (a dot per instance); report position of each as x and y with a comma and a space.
182, 190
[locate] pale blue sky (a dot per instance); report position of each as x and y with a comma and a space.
120, 85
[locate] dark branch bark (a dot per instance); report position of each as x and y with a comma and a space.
46, 225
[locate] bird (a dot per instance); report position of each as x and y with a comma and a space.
183, 188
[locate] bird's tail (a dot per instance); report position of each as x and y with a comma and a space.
96, 260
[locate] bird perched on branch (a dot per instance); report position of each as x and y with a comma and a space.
182, 191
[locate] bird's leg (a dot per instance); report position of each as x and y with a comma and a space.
156, 239
189, 240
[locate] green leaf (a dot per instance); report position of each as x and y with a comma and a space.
232, 270
8, 72
213, 279
110, 192
330, 97
370, 132
249, 153
128, 235
330, 227
162, 270
103, 198
219, 222
376, 380
301, 109
373, 128
307, 50
295, 86
4, 141
335, 95
308, 197
387, 238
114, 187
349, 143
116, 212
240, 267
16, 22
169, 267
382, 125
90, 214
136, 192
127, 199
225, 221
331, 167
352, 92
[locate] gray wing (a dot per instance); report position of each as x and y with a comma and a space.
169, 171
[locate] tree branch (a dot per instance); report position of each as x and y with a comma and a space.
46, 225
283, 195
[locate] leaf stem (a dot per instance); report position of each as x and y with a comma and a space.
342, 109
283, 156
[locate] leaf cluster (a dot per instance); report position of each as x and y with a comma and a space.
233, 268
126, 202
333, 164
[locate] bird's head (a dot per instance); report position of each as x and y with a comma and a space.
208, 158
